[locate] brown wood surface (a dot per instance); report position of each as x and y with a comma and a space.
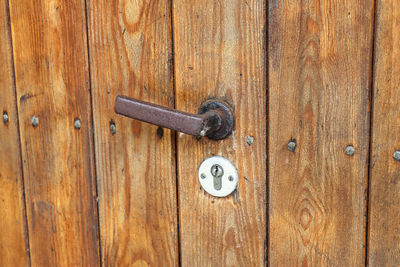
219, 49
52, 82
13, 233
384, 219
312, 58
130, 51
319, 57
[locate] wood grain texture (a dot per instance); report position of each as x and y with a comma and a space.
52, 81
319, 79
384, 219
13, 232
130, 51
220, 52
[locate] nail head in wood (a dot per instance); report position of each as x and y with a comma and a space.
396, 155
77, 124
35, 121
113, 128
5, 117
350, 150
292, 145
249, 140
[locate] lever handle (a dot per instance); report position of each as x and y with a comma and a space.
215, 118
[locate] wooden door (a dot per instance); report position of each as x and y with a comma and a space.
315, 92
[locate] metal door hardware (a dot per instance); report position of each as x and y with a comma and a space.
214, 119
218, 176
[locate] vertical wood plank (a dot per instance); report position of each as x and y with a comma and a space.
220, 52
130, 51
319, 79
384, 219
13, 232
52, 81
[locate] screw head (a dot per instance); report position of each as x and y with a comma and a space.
203, 176
35, 121
396, 155
77, 124
350, 150
5, 117
230, 178
249, 140
217, 171
292, 145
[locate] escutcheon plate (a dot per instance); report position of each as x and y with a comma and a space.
218, 184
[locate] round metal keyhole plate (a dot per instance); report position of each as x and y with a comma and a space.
215, 181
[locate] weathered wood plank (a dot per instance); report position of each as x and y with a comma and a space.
384, 219
130, 50
319, 79
220, 52
52, 82
13, 231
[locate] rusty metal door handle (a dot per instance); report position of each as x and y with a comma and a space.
215, 118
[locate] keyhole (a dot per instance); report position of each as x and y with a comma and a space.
217, 172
